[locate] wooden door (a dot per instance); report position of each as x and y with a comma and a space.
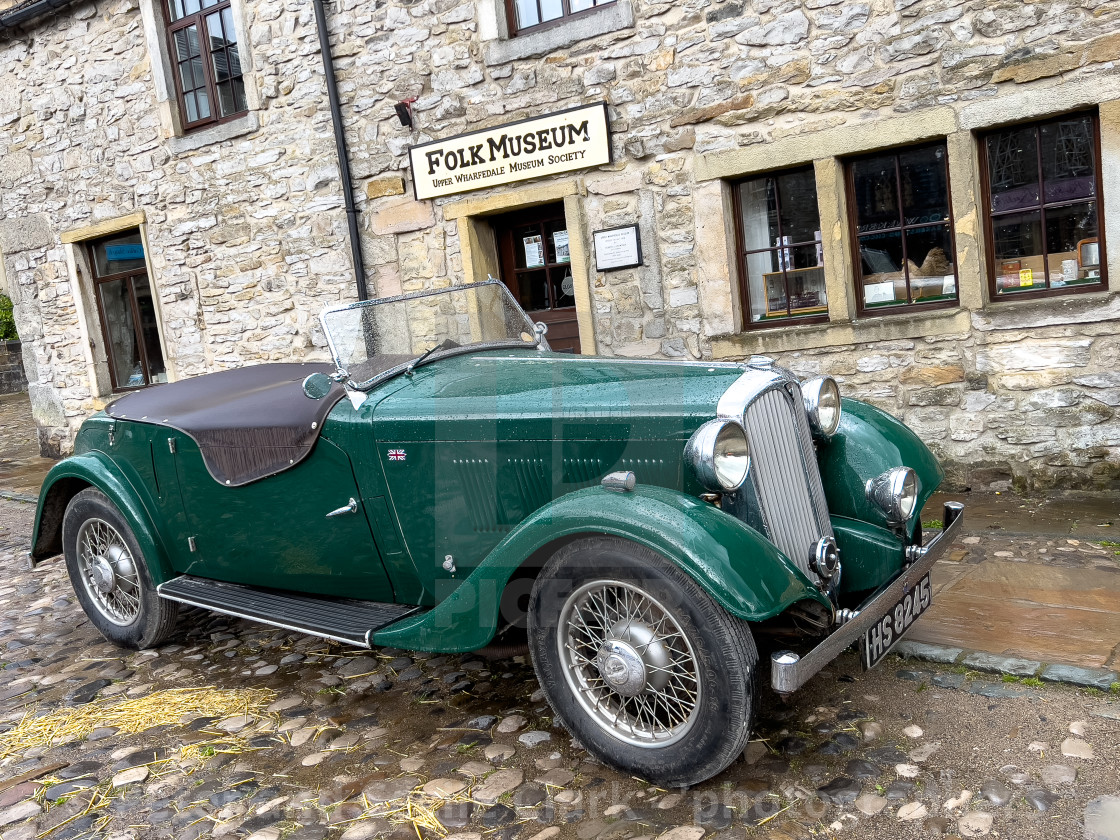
536, 266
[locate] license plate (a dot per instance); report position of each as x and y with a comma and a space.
888, 630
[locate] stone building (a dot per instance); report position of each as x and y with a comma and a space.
917, 196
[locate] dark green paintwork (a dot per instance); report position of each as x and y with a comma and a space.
871, 554
95, 469
735, 564
492, 437
275, 532
504, 452
868, 443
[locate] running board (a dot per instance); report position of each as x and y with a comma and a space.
341, 619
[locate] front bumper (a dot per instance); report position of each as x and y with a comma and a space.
789, 671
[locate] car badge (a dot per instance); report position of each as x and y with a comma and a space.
396, 454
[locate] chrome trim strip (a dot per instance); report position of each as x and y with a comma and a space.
191, 603
747, 388
788, 672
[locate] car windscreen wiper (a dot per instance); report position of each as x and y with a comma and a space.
447, 344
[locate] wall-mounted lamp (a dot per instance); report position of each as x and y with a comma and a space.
404, 111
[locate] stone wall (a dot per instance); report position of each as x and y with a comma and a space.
12, 379
247, 236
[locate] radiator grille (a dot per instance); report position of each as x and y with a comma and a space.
785, 475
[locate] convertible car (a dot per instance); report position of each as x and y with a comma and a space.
646, 526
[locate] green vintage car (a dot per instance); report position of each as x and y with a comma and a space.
646, 526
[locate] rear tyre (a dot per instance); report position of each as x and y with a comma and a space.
640, 664
110, 575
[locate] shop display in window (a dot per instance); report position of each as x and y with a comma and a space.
1043, 206
781, 256
900, 202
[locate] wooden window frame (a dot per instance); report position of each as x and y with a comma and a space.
134, 306
741, 253
197, 19
853, 223
565, 16
989, 228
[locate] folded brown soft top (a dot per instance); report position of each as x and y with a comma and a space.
249, 422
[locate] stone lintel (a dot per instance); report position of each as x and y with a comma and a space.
1038, 100
873, 133
104, 228
541, 193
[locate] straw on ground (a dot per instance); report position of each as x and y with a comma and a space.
160, 708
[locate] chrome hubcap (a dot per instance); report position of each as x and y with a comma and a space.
621, 667
108, 571
629, 664
102, 574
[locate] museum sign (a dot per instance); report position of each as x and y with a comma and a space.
577, 138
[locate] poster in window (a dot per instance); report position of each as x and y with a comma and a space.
130, 251
534, 251
560, 243
784, 261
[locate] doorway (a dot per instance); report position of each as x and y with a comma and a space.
534, 257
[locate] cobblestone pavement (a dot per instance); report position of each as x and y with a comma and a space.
361, 744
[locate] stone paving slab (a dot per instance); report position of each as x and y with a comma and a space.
1082, 515
1041, 599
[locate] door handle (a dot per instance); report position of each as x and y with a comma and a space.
352, 507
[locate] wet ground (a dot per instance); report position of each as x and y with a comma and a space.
21, 468
358, 745
1033, 577
1081, 515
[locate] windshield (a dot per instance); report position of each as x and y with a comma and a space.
374, 338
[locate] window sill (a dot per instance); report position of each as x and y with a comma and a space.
904, 325
215, 134
610, 18
1051, 310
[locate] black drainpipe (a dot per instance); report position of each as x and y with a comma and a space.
340, 145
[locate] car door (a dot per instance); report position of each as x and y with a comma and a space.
296, 530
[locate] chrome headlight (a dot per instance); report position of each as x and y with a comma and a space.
719, 455
895, 493
822, 404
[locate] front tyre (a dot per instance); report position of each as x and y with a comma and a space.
639, 663
110, 576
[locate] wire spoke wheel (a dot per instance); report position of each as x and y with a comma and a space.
108, 571
629, 664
